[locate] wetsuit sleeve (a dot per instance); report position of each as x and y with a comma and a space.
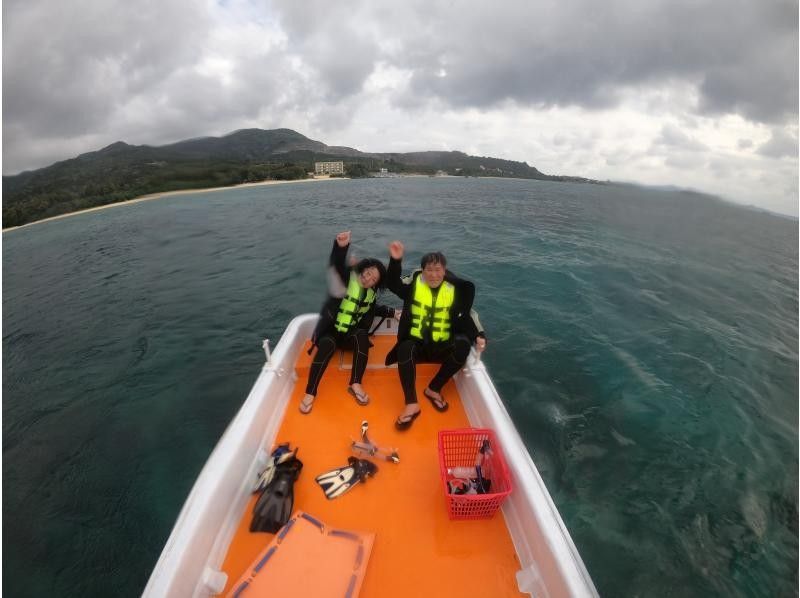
476, 321
394, 280
466, 317
337, 262
467, 292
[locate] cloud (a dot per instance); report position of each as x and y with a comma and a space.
584, 54
66, 69
673, 137
781, 144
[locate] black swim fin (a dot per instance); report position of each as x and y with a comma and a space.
336, 482
274, 507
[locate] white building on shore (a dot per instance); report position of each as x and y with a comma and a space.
328, 168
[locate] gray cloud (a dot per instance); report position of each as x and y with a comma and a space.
341, 51
781, 144
67, 68
586, 53
744, 144
673, 137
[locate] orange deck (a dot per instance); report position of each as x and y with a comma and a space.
418, 550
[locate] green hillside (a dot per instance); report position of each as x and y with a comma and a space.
120, 171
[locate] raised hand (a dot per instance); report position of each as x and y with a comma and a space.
396, 250
343, 239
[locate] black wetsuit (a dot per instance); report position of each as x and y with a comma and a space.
409, 350
327, 338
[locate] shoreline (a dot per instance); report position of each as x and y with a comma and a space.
162, 194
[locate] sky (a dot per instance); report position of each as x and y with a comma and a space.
699, 94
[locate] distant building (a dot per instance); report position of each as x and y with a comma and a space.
328, 168
384, 173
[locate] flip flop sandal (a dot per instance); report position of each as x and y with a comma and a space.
404, 421
438, 402
306, 406
361, 398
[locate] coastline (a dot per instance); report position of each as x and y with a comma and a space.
151, 196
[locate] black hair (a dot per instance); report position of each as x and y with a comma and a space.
435, 257
371, 262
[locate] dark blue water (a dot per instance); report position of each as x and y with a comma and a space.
644, 342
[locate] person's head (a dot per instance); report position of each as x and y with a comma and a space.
434, 266
371, 273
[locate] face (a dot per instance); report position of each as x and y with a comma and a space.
434, 275
369, 277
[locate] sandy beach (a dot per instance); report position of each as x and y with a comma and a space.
152, 196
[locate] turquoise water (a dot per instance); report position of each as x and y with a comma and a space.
644, 342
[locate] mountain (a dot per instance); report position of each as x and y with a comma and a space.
121, 171
252, 144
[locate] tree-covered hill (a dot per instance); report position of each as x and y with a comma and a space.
120, 171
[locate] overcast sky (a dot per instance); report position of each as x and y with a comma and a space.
694, 93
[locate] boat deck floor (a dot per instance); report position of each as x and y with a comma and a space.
418, 550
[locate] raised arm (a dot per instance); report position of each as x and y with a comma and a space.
394, 273
339, 254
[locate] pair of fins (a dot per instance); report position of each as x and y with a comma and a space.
274, 507
341, 480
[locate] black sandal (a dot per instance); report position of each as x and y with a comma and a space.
438, 402
404, 421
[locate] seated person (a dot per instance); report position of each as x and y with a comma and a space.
437, 325
345, 319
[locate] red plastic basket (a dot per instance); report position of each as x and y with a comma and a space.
459, 448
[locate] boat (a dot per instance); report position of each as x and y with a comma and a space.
523, 549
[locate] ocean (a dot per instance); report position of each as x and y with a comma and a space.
644, 342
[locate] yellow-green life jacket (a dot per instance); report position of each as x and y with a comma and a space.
353, 306
427, 315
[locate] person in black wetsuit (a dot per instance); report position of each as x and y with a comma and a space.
345, 318
437, 325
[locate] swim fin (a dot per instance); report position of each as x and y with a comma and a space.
274, 507
281, 454
338, 481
